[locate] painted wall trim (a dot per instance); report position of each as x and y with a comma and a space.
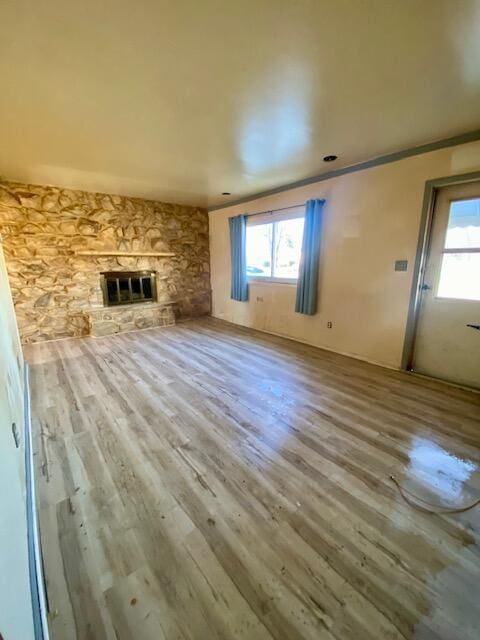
37, 583
463, 138
429, 196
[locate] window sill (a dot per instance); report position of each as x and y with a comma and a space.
454, 299
290, 281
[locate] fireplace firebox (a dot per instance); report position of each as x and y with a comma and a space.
128, 287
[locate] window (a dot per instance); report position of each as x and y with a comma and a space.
274, 244
460, 272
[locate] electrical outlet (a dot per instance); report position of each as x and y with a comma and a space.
329, 325
259, 299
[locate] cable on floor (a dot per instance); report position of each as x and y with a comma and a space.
435, 509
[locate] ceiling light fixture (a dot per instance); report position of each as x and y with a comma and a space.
329, 158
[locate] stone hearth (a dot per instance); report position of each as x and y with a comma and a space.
106, 321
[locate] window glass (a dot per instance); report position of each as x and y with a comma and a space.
259, 250
147, 287
112, 291
460, 276
463, 231
288, 247
136, 289
124, 290
460, 272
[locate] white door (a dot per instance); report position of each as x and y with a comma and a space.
447, 342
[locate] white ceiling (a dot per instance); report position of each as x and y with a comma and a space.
180, 100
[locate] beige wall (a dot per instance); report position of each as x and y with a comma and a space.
16, 607
45, 228
371, 219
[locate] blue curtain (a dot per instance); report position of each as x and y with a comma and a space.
306, 301
238, 253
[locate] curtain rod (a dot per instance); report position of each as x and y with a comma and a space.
261, 213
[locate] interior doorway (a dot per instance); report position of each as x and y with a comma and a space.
447, 339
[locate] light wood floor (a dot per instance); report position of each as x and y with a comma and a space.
207, 482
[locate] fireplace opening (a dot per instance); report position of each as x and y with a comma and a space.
128, 287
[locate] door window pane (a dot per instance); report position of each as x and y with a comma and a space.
259, 250
463, 231
460, 276
288, 247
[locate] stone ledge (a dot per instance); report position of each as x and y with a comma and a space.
106, 321
101, 311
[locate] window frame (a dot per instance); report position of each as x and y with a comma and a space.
274, 217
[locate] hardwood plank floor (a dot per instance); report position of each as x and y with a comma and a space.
209, 482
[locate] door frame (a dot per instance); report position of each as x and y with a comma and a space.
423, 244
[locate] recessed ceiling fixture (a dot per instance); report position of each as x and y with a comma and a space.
226, 193
330, 158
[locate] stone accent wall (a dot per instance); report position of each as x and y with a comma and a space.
109, 320
44, 228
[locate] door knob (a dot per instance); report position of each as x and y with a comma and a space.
425, 287
474, 326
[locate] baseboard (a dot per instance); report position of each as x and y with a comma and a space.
311, 344
461, 387
411, 373
37, 583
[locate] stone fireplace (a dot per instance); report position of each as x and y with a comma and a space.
60, 244
129, 303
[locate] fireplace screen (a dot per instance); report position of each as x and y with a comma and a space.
128, 287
